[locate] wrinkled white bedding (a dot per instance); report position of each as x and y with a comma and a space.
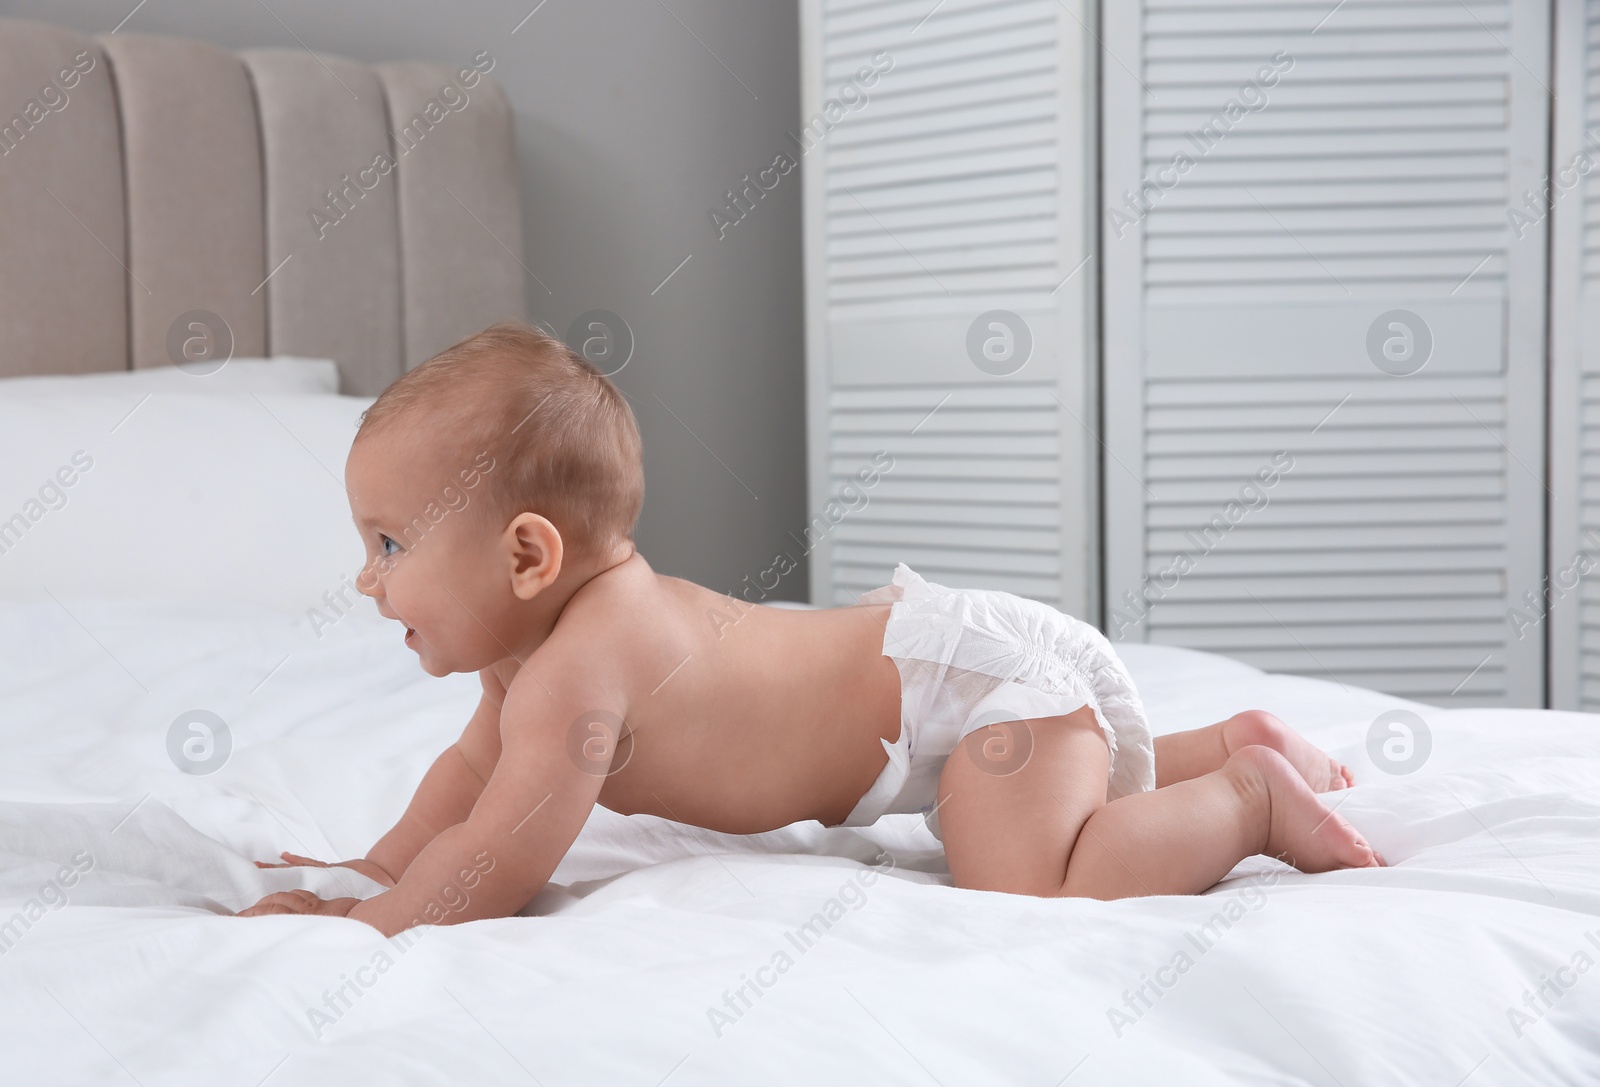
666, 954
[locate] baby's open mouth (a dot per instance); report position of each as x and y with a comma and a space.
409, 632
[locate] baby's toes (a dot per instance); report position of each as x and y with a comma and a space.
1334, 780
1348, 777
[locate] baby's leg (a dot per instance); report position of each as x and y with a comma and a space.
1181, 756
1045, 829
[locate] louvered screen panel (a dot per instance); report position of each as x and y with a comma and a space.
945, 183
1584, 550
973, 494
1378, 555
954, 185
1571, 596
1352, 202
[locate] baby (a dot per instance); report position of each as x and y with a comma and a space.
1012, 727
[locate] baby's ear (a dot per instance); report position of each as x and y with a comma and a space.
535, 553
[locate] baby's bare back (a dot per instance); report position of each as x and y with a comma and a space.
737, 717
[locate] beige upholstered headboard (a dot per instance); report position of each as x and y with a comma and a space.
318, 206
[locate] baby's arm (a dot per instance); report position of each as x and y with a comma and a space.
449, 789
524, 821
444, 798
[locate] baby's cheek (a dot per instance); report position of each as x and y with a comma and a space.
447, 622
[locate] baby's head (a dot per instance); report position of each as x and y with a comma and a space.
502, 468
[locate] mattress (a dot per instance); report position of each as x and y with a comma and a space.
156, 750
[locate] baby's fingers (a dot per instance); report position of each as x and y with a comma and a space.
283, 902
293, 860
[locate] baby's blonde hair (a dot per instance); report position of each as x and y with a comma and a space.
564, 439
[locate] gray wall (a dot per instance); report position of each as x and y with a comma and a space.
630, 131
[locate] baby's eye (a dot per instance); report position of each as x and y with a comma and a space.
388, 545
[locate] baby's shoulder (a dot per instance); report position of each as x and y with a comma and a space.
602, 628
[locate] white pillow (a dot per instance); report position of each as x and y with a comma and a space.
283, 374
177, 496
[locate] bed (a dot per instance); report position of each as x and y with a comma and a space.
187, 686
661, 953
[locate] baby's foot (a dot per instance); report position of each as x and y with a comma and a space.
1323, 773
1301, 829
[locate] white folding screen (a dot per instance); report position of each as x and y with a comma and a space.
1324, 337
1569, 597
950, 316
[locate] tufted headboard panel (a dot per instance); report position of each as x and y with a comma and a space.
295, 203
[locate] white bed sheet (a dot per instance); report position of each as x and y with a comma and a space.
628, 973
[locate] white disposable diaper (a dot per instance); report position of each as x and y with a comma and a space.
970, 658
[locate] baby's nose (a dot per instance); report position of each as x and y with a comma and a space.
368, 583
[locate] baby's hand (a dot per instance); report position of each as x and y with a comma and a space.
300, 902
365, 867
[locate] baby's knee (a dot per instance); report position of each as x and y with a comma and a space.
1251, 771
1250, 727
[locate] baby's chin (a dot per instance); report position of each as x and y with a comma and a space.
441, 661
428, 657
436, 664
